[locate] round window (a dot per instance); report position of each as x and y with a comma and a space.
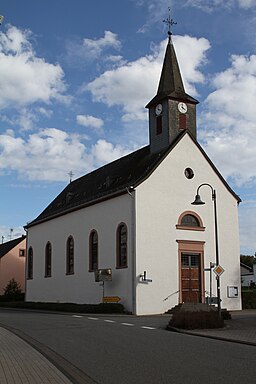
189, 173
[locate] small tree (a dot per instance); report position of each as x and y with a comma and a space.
13, 290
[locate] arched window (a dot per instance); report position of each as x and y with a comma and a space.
70, 256
48, 260
30, 263
191, 221
93, 251
121, 246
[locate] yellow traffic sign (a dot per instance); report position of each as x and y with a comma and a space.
218, 270
111, 299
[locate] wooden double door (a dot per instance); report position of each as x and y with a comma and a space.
191, 285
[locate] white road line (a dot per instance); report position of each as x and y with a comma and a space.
77, 316
109, 321
128, 324
144, 327
92, 318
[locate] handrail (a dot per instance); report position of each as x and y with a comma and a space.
174, 293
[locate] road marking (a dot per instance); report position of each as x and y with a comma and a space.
144, 327
109, 321
92, 318
128, 324
77, 316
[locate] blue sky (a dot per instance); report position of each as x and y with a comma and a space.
76, 75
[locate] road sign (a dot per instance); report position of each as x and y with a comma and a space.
218, 270
111, 299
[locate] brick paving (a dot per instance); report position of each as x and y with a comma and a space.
22, 364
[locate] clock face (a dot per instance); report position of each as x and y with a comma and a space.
182, 107
159, 109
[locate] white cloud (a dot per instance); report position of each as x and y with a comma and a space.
247, 216
25, 78
25, 118
91, 122
8, 235
228, 122
51, 153
95, 47
209, 5
157, 10
87, 50
132, 85
105, 152
247, 3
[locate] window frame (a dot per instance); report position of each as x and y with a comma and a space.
92, 248
70, 256
187, 227
48, 260
119, 263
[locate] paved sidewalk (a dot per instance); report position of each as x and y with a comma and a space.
22, 364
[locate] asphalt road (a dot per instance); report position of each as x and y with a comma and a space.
129, 349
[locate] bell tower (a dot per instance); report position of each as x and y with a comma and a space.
172, 110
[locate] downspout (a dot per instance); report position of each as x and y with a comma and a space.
131, 191
26, 261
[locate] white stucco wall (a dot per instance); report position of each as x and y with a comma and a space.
152, 210
159, 202
81, 286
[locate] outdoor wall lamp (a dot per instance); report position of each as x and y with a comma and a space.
198, 201
144, 279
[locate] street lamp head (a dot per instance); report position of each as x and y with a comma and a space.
198, 201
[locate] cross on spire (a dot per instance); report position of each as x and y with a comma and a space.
170, 22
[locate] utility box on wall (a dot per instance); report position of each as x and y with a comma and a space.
232, 291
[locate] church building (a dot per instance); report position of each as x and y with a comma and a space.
128, 230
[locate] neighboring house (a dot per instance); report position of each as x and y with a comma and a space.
248, 275
134, 217
12, 262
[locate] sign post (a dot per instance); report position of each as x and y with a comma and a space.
102, 275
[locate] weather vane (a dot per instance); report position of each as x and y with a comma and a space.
170, 22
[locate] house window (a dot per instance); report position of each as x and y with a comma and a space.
30, 263
189, 173
22, 253
70, 256
121, 244
93, 251
190, 221
159, 127
48, 260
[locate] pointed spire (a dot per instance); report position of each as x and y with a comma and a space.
171, 81
170, 84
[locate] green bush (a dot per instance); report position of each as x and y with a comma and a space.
67, 307
196, 320
249, 299
12, 292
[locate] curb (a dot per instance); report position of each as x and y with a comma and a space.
214, 337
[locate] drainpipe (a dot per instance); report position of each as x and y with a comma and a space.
131, 191
26, 261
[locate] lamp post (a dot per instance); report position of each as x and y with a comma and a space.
198, 201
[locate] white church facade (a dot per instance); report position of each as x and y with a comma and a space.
134, 217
